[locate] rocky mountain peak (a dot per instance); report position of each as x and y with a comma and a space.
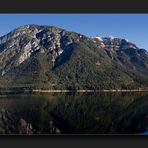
111, 37
29, 39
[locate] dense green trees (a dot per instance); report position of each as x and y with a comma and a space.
82, 64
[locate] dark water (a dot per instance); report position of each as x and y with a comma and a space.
87, 113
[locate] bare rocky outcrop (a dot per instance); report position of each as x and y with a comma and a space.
20, 44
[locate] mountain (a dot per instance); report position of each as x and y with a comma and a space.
48, 57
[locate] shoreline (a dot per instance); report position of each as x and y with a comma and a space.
28, 91
104, 90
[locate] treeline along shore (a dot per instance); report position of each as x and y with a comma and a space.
28, 90
103, 90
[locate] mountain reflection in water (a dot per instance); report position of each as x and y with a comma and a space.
83, 113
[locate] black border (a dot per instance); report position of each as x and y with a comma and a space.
73, 6
74, 141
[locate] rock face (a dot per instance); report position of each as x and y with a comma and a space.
49, 57
25, 128
11, 123
22, 43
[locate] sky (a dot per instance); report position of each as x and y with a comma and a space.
133, 27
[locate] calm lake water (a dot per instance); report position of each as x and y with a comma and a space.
65, 113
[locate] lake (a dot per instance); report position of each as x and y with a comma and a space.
74, 113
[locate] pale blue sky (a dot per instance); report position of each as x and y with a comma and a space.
134, 27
